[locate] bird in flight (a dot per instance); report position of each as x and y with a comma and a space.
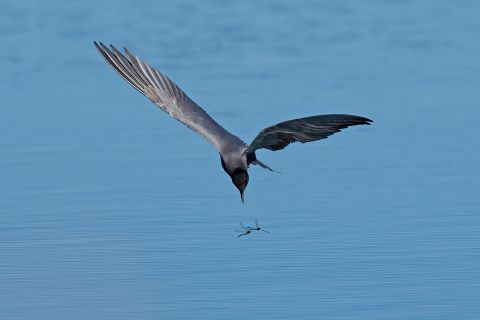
235, 155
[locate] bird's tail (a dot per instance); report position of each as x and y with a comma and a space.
263, 165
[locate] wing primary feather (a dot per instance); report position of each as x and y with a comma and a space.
127, 65
303, 130
169, 97
113, 62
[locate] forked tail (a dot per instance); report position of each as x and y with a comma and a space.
252, 159
263, 165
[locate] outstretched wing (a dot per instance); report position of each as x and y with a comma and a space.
303, 130
167, 96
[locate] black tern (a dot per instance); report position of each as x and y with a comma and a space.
236, 156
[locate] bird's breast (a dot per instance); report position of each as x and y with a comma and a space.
234, 160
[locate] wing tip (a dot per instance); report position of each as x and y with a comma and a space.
95, 43
104, 48
128, 52
360, 120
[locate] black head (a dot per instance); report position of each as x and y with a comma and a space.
240, 180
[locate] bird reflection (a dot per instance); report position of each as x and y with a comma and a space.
246, 230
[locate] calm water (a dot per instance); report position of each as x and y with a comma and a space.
111, 210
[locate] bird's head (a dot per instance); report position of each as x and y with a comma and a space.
240, 180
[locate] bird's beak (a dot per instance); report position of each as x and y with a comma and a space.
240, 180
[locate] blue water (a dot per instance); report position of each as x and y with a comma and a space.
109, 209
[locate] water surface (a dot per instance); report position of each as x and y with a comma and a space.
110, 209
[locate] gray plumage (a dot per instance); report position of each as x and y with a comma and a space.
168, 97
235, 154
